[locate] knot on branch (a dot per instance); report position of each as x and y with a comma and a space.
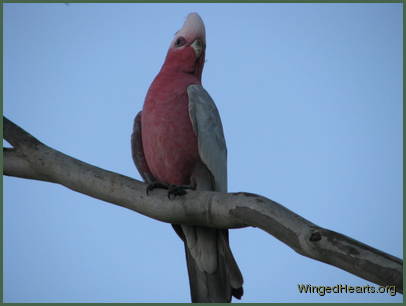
315, 236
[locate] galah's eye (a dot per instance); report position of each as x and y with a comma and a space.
180, 42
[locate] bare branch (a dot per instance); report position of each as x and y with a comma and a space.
18, 166
34, 160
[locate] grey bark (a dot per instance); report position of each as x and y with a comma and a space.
31, 159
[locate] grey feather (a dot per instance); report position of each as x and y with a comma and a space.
213, 272
137, 151
207, 125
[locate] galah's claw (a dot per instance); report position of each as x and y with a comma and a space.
177, 190
154, 185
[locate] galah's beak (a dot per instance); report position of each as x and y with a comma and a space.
197, 46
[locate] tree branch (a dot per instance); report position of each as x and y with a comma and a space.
33, 160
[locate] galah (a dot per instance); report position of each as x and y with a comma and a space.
178, 143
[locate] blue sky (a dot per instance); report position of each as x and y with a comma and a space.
310, 97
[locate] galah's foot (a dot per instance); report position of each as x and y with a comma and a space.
155, 185
177, 190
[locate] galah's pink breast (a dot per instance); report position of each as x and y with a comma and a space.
170, 144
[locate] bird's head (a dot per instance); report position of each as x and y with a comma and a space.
187, 49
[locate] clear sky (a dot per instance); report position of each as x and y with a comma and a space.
310, 97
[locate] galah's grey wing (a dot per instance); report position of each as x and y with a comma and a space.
137, 151
207, 125
214, 275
